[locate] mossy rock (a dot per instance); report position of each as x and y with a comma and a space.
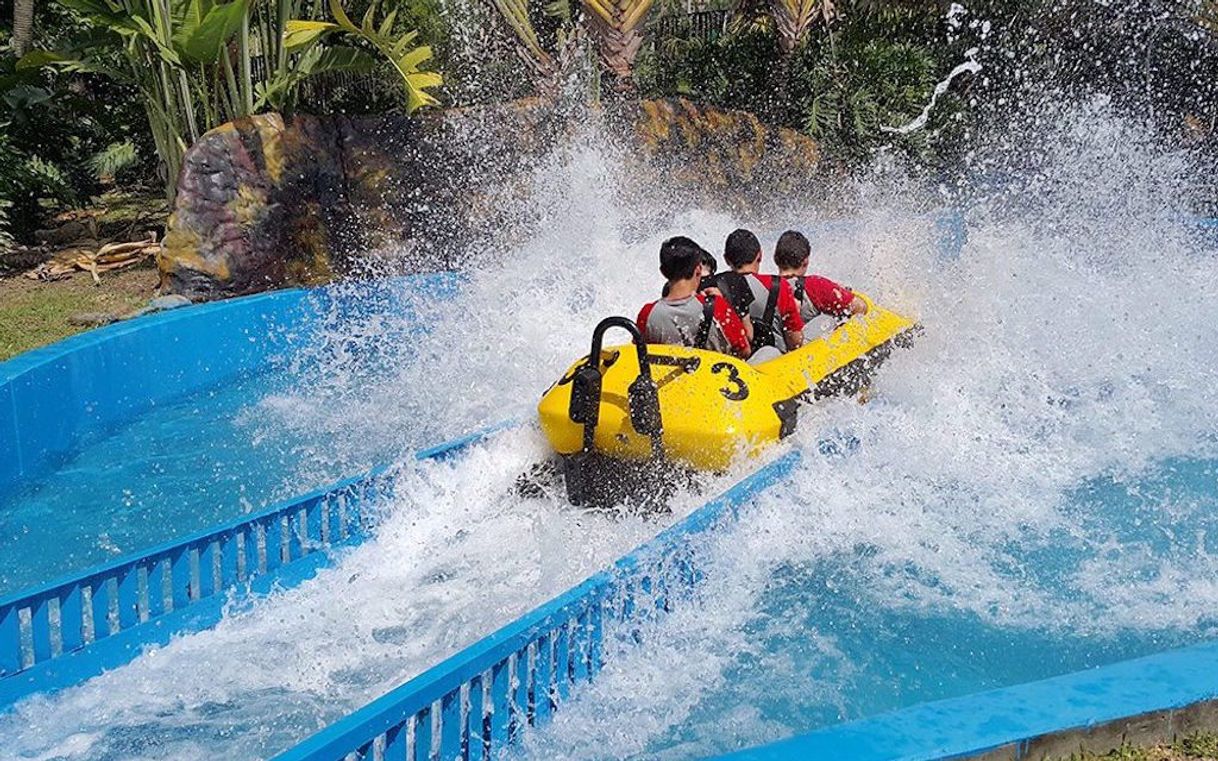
270, 201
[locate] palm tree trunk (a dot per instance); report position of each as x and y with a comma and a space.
23, 27
617, 28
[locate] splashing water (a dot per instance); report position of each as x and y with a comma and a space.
969, 65
1010, 508
1033, 491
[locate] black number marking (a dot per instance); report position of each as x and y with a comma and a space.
607, 360
736, 389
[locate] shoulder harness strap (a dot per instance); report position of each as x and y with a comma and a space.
771, 303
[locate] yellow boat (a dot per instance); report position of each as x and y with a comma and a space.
701, 409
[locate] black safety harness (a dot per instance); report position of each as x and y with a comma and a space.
765, 334
708, 319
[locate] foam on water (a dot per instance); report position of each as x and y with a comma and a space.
457, 556
1033, 490
1066, 353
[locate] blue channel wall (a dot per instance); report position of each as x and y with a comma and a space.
71, 629
51, 397
477, 702
1012, 717
75, 628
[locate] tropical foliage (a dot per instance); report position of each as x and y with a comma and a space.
199, 63
548, 52
116, 90
548, 35
54, 130
846, 77
793, 19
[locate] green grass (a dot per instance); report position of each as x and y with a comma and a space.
34, 314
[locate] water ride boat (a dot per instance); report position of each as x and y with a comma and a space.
621, 414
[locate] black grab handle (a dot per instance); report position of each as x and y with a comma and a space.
643, 395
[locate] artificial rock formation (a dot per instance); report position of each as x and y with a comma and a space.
268, 201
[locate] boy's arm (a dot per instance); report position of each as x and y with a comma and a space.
644, 313
831, 298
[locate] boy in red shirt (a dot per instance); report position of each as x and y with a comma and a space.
686, 317
816, 295
774, 310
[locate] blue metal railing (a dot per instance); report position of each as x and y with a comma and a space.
478, 701
70, 630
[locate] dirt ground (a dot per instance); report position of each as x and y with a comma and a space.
1199, 747
35, 313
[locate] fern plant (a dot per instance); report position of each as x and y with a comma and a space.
6, 236
113, 160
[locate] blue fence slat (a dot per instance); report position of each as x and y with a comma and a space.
645, 599
423, 735
40, 625
475, 730
128, 597
10, 640
101, 596
522, 679
253, 559
499, 705
208, 555
562, 662
596, 635
662, 586
273, 531
156, 588
627, 595
229, 546
295, 546
543, 671
450, 726
353, 520
313, 521
334, 518
395, 743
581, 634
180, 573
71, 618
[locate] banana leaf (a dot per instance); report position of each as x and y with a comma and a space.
207, 29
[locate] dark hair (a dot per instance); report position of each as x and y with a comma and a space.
708, 263
791, 250
679, 257
741, 248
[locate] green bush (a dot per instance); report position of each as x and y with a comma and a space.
842, 87
58, 130
849, 98
60, 136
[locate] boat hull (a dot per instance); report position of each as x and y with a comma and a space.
716, 409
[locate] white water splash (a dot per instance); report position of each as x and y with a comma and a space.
970, 65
